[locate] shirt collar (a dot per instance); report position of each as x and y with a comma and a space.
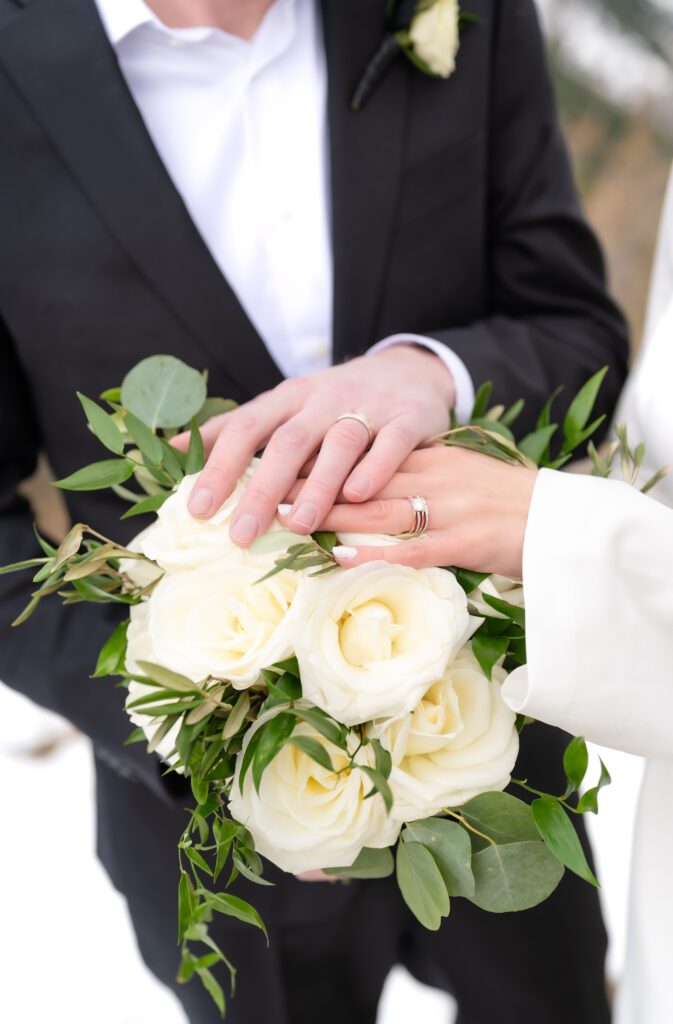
121, 17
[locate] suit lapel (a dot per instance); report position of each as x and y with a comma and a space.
365, 157
59, 58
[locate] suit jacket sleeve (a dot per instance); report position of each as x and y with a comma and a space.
551, 320
598, 584
51, 656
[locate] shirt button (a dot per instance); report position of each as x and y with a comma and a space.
287, 214
176, 43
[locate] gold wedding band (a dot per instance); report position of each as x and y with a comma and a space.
367, 424
421, 516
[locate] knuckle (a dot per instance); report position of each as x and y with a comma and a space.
380, 512
348, 434
320, 490
258, 494
291, 437
242, 425
399, 432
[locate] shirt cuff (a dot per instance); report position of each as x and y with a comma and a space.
462, 381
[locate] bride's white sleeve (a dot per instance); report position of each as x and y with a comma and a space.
598, 586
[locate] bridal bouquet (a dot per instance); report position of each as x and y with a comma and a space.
343, 719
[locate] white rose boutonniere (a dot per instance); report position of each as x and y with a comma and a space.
370, 640
433, 34
425, 31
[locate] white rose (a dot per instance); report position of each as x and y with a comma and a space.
218, 621
179, 541
434, 34
140, 648
461, 740
502, 587
306, 817
370, 640
138, 570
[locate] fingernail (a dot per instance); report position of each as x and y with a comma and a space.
360, 486
346, 554
201, 502
284, 510
245, 529
306, 516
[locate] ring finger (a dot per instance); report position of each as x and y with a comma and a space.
383, 515
343, 445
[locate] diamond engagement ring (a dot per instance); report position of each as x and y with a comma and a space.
421, 516
367, 424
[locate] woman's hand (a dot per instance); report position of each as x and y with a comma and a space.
478, 508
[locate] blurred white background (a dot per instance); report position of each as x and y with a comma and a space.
67, 951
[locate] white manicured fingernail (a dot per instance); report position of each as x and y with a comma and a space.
344, 553
284, 510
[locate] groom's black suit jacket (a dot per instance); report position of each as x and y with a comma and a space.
453, 214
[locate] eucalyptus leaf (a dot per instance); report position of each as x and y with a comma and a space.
162, 391
449, 844
421, 884
514, 877
214, 407
501, 817
369, 863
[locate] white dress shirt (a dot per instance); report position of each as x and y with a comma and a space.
598, 585
241, 127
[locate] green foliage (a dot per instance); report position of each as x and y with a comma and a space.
98, 476
162, 391
368, 864
422, 885
449, 845
113, 654
560, 837
514, 877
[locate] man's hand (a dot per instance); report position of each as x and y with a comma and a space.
405, 392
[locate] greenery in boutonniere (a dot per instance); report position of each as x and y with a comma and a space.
425, 31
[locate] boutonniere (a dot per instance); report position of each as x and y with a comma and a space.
425, 31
